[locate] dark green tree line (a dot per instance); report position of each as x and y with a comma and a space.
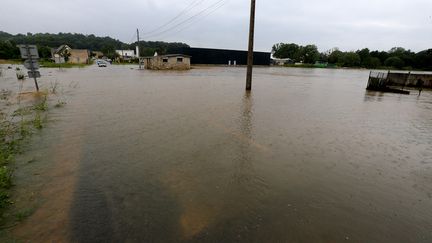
397, 57
46, 41
305, 54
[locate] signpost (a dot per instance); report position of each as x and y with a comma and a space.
29, 64
30, 52
34, 74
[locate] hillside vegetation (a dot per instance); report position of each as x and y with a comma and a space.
107, 45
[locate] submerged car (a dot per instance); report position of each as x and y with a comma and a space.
101, 64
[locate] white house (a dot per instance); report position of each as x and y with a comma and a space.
126, 54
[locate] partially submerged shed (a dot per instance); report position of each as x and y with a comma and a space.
167, 62
66, 54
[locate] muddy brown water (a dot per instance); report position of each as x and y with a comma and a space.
308, 156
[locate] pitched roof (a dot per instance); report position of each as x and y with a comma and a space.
61, 48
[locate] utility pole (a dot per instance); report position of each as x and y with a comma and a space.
137, 49
251, 47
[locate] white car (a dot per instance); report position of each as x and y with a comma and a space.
101, 64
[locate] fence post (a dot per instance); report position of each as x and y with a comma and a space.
369, 81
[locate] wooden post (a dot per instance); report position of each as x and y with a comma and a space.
251, 47
138, 50
369, 81
406, 80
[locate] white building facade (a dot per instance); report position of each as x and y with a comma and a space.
126, 54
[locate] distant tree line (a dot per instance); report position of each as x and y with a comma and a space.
148, 48
396, 58
46, 41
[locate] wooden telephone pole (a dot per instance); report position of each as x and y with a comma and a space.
251, 47
137, 49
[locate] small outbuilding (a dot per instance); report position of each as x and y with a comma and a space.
167, 62
79, 56
65, 54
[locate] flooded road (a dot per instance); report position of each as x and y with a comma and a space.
308, 156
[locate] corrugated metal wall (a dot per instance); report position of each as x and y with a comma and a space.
222, 57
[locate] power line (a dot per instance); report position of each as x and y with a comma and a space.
133, 38
186, 10
188, 19
199, 19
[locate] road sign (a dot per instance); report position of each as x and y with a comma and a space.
28, 51
34, 74
31, 64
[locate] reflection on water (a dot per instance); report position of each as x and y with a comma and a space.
374, 96
308, 156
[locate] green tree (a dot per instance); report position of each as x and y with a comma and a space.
382, 55
374, 63
148, 48
423, 60
323, 57
365, 56
44, 52
335, 57
147, 51
283, 50
351, 59
109, 51
9, 50
395, 62
309, 54
397, 51
407, 56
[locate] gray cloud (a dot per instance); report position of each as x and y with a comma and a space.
346, 24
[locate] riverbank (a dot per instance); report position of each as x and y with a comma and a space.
27, 117
333, 66
47, 64
23, 114
10, 61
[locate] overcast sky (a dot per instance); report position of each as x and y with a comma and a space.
347, 24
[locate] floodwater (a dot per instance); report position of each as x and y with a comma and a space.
307, 156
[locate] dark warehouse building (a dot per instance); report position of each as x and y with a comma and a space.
223, 57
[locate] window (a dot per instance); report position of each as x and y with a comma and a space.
179, 59
165, 60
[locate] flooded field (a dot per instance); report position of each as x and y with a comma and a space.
308, 156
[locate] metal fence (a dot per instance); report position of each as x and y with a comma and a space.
377, 74
377, 80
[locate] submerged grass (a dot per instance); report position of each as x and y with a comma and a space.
24, 213
8, 149
10, 61
47, 64
42, 105
14, 131
60, 104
